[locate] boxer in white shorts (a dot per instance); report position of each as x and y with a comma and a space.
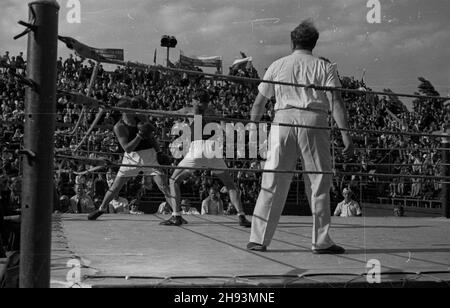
198, 156
136, 137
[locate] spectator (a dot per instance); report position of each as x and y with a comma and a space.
187, 209
212, 205
134, 208
119, 205
348, 207
164, 208
81, 202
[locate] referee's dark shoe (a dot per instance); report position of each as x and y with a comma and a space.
256, 247
333, 250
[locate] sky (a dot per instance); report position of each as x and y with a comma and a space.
412, 39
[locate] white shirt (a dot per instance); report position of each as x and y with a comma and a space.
191, 211
164, 208
349, 209
301, 67
120, 205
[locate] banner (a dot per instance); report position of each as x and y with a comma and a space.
201, 61
110, 54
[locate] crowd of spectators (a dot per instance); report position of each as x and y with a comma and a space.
398, 154
168, 91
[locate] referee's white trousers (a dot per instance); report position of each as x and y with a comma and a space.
285, 146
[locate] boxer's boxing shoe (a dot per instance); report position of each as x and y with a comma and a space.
333, 250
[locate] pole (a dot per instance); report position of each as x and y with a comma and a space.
167, 59
445, 171
40, 108
89, 94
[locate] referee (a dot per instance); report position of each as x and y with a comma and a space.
299, 106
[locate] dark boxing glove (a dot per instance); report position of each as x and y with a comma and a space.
163, 159
145, 130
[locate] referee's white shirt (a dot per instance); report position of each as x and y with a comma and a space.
301, 67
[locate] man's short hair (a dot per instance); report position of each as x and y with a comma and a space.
347, 190
305, 35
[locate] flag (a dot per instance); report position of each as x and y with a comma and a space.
241, 63
110, 54
215, 61
97, 54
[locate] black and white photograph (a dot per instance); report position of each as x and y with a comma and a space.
224, 151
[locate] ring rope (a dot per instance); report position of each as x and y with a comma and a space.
82, 100
106, 163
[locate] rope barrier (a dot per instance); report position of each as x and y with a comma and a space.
93, 161
82, 100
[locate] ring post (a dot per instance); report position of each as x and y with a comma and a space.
445, 171
40, 107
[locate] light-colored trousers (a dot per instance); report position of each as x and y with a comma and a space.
285, 146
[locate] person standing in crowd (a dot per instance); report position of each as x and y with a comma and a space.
20, 62
348, 207
299, 106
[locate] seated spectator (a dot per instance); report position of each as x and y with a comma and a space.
119, 205
212, 205
187, 209
134, 208
64, 204
164, 208
348, 207
81, 202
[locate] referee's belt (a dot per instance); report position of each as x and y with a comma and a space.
317, 110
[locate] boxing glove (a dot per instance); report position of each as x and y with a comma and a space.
163, 159
145, 130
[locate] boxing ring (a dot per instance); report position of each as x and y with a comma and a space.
135, 251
